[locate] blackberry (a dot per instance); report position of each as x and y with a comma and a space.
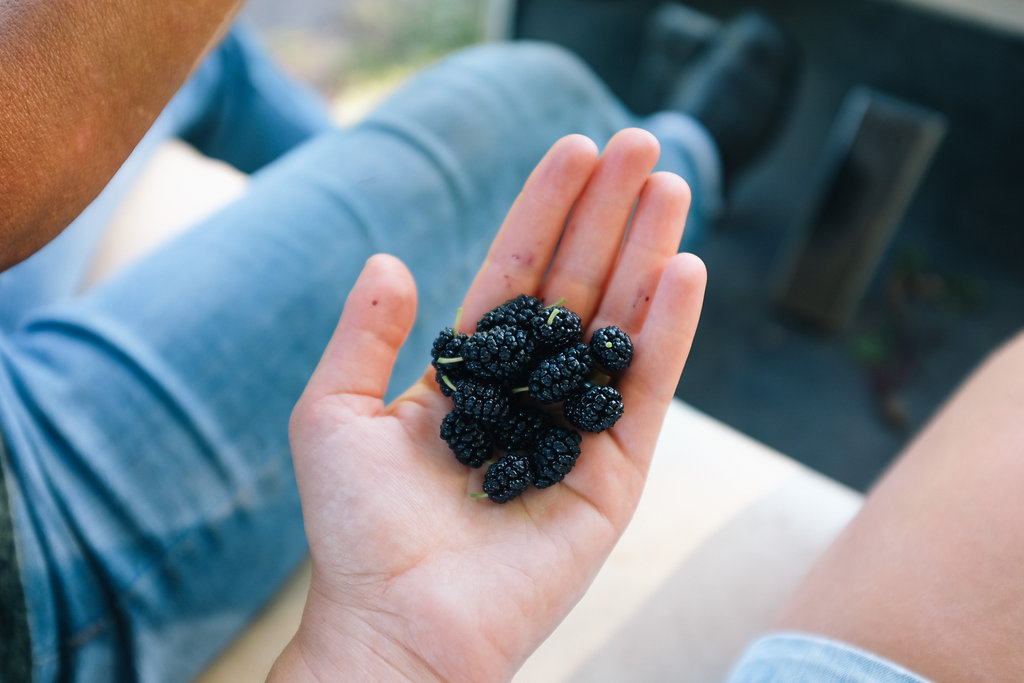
554, 456
500, 352
611, 348
558, 329
447, 344
482, 400
521, 430
557, 377
468, 438
594, 409
517, 312
508, 477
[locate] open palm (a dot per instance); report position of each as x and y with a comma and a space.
413, 578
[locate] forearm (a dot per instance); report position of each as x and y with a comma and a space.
82, 81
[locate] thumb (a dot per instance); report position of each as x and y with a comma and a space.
377, 317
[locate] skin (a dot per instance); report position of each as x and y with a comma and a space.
928, 574
414, 579
83, 80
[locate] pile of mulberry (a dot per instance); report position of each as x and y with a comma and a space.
522, 385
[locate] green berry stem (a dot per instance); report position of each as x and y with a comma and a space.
447, 381
449, 361
478, 495
519, 390
551, 318
557, 304
458, 318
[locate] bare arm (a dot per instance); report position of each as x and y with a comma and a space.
928, 573
80, 83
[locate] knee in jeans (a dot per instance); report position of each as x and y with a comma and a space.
535, 63
550, 57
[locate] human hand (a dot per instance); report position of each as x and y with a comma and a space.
412, 578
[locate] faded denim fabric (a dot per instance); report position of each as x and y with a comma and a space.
802, 658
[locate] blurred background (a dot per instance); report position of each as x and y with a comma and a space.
355, 51
901, 148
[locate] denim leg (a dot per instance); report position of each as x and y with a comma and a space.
237, 107
251, 111
150, 472
807, 658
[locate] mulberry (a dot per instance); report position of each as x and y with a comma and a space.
611, 348
482, 400
594, 409
467, 437
447, 344
445, 381
500, 352
508, 477
557, 377
518, 312
557, 330
521, 430
535, 349
554, 456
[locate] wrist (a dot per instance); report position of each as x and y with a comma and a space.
291, 665
335, 642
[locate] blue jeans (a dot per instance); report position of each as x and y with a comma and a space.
147, 458
805, 658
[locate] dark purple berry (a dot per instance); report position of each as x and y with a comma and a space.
558, 329
594, 409
518, 312
445, 381
499, 353
611, 348
468, 438
482, 400
447, 345
508, 477
557, 377
521, 430
554, 456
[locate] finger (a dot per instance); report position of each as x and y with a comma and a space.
613, 482
662, 346
521, 252
377, 317
593, 236
653, 239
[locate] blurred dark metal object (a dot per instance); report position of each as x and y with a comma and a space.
879, 151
